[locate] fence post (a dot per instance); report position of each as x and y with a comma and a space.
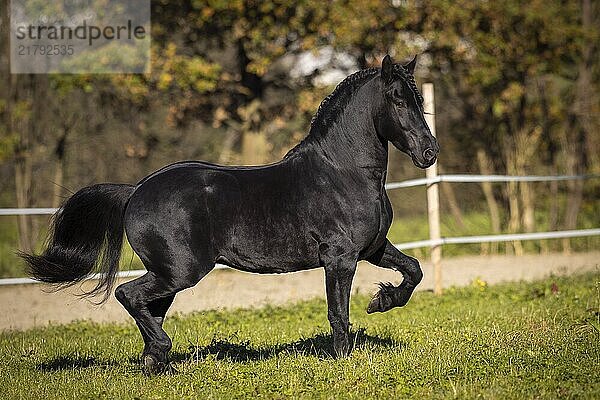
433, 197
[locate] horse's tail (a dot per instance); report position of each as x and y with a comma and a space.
86, 237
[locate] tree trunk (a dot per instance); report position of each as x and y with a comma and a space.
582, 114
514, 222
22, 166
525, 144
575, 188
16, 126
226, 155
58, 183
59, 167
29, 94
550, 159
22, 189
512, 194
527, 199
572, 211
488, 191
450, 198
552, 212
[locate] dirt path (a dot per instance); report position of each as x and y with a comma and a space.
27, 306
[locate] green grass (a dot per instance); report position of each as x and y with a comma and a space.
526, 340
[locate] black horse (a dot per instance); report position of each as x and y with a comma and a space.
324, 205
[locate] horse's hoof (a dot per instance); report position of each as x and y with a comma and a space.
152, 366
373, 306
379, 303
341, 348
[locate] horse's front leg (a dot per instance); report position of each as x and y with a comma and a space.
339, 272
390, 296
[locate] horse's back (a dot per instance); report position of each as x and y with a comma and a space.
248, 217
178, 207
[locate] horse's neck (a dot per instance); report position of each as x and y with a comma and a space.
352, 141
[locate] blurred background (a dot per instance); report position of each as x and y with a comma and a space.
237, 82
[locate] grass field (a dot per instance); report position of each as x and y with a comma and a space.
526, 340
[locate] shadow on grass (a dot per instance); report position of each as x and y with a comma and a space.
320, 345
73, 362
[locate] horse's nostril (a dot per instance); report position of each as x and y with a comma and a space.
429, 154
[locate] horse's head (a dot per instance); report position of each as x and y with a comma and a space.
401, 119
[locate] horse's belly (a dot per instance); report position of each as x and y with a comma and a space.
267, 262
267, 239
255, 266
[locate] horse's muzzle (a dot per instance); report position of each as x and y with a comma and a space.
426, 159
429, 156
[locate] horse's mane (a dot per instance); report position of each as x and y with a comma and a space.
340, 96
402, 73
330, 107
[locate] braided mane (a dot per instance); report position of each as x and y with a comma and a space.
326, 113
353, 81
402, 73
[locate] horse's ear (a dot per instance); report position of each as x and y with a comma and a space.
410, 67
387, 67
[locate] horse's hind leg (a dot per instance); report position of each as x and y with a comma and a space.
147, 300
390, 296
137, 297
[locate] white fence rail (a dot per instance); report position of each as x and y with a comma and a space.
402, 246
27, 211
465, 178
509, 237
